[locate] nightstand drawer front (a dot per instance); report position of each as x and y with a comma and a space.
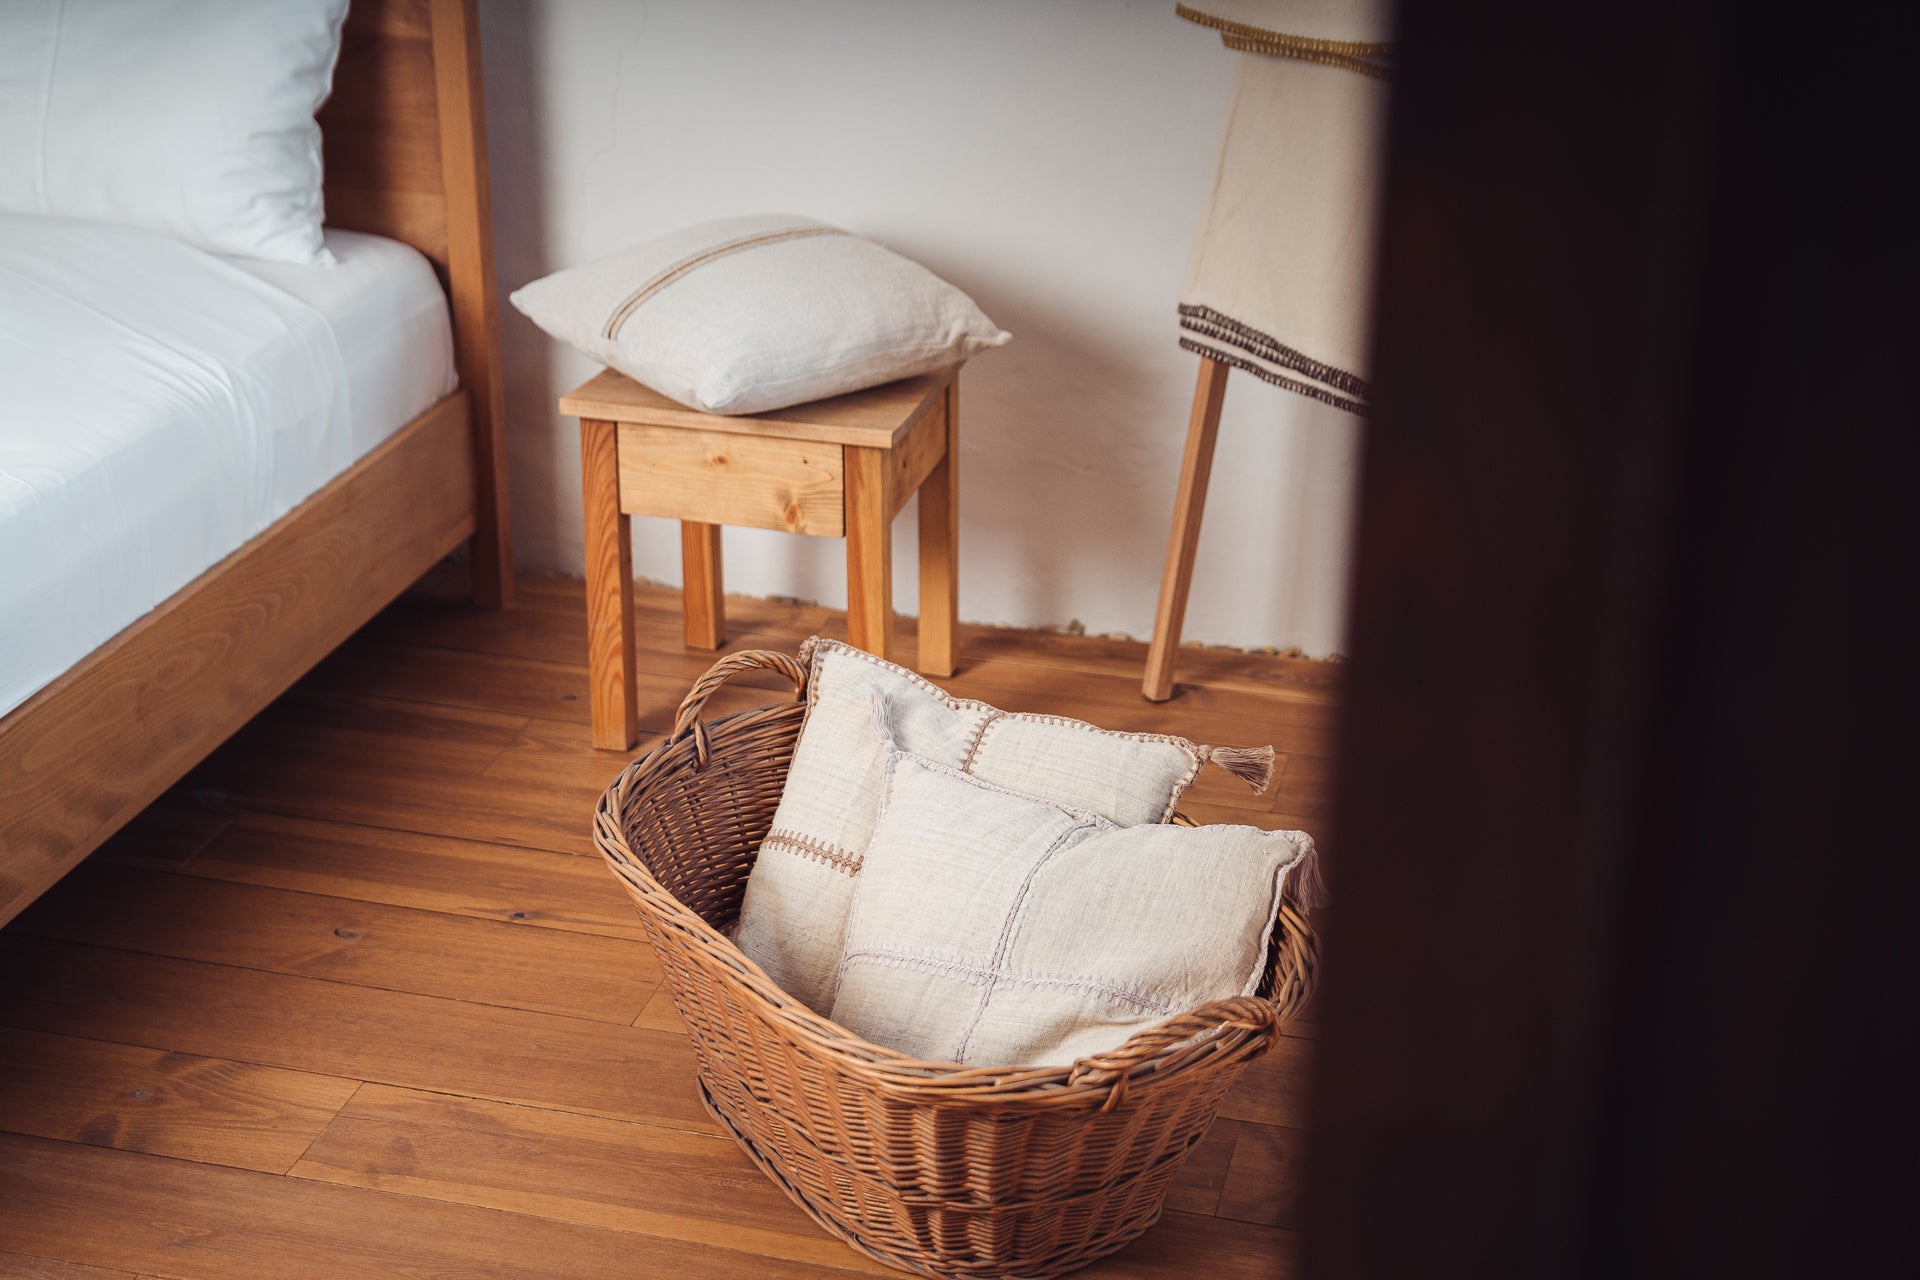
792, 486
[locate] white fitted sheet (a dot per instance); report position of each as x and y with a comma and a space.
160, 405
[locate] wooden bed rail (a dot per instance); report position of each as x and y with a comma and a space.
405, 146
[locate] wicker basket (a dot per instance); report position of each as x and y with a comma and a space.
934, 1168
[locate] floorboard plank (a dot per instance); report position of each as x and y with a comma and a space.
1305, 787
164, 836
407, 765
582, 1169
555, 755
407, 770
519, 686
171, 1104
20, 1266
417, 801
548, 632
391, 948
537, 888
1114, 701
449, 739
331, 1028
660, 1015
1242, 673
179, 1218
1264, 1182
1273, 1090
1196, 1188
1193, 1244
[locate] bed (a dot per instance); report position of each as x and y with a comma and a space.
250, 459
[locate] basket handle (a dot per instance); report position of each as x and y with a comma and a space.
1239, 1013
687, 719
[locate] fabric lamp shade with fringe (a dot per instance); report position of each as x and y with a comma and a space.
1280, 273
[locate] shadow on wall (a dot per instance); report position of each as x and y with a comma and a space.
519, 181
1052, 438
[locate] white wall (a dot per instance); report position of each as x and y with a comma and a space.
1050, 159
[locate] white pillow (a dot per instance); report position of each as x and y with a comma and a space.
743, 315
190, 117
995, 929
793, 919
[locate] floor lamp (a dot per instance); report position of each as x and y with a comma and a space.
1279, 278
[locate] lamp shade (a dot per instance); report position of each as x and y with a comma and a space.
1280, 276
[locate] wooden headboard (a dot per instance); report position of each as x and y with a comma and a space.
405, 138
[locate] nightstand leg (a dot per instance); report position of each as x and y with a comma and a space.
869, 552
940, 548
704, 603
610, 660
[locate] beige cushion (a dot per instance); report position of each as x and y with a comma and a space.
793, 919
996, 929
744, 315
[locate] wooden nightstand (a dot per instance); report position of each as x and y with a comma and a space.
840, 467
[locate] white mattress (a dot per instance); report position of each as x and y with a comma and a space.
159, 406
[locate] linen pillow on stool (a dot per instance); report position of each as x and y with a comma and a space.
793, 919
747, 315
994, 929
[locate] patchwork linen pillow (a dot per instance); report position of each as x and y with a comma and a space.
189, 117
793, 919
745, 315
995, 929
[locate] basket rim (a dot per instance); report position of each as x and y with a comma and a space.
1218, 1033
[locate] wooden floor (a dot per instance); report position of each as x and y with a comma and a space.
357, 999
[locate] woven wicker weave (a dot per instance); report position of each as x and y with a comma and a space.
943, 1170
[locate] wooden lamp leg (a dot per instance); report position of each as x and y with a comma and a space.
611, 669
940, 549
1203, 427
869, 553
703, 600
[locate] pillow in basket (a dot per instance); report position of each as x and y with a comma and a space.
996, 929
794, 916
745, 315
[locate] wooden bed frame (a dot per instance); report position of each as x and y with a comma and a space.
405, 138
